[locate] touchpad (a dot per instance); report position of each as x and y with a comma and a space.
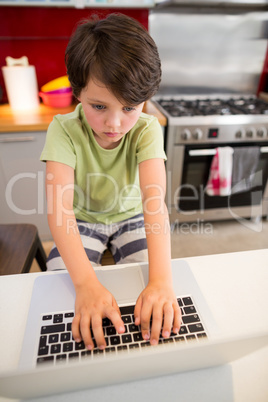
124, 283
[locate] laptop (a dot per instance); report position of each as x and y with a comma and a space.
51, 362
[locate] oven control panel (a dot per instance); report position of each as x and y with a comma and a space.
222, 133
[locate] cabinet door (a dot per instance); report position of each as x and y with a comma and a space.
22, 180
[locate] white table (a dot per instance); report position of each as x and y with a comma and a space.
234, 282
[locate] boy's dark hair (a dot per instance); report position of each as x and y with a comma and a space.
117, 51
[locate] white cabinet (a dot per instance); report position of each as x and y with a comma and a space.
22, 180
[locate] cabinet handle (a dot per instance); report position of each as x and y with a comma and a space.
17, 139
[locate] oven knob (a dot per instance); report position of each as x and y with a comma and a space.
250, 132
197, 134
186, 134
239, 134
261, 132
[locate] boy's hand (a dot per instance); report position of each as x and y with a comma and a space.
93, 303
158, 301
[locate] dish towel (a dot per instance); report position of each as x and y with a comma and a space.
220, 175
245, 162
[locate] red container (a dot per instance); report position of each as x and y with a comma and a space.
63, 90
56, 100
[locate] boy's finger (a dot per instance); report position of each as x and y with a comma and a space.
146, 313
137, 311
76, 328
156, 324
116, 319
168, 320
177, 318
97, 330
86, 332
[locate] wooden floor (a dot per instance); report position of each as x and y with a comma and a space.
189, 240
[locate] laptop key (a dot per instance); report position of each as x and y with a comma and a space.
86, 353
73, 355
47, 317
61, 358
43, 350
68, 347
122, 347
106, 322
133, 328
45, 359
110, 331
127, 310
110, 349
52, 329
134, 346
188, 319
138, 337
54, 338
69, 315
127, 338
190, 337
126, 319
79, 346
189, 310
201, 335
55, 348
187, 301
180, 302
57, 318
115, 340
195, 328
179, 339
65, 337
183, 330
43, 340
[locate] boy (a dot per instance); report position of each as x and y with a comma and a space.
106, 178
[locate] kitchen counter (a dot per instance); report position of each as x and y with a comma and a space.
39, 119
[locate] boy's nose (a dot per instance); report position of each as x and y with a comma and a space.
113, 121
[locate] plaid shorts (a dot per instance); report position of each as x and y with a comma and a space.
126, 241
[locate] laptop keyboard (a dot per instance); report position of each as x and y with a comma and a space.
56, 344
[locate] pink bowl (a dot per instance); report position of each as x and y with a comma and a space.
63, 90
56, 100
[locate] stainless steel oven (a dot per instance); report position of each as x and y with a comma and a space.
212, 58
191, 144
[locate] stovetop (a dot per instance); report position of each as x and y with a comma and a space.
216, 107
204, 119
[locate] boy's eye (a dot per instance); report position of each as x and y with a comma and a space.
128, 109
98, 107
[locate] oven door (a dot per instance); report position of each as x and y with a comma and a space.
188, 198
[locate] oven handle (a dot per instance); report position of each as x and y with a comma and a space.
208, 152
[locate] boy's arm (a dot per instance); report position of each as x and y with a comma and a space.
93, 301
157, 299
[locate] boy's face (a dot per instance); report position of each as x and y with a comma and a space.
109, 119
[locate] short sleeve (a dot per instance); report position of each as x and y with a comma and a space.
151, 142
59, 146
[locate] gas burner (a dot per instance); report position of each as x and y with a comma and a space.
250, 106
209, 107
214, 107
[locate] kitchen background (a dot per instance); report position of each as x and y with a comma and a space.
41, 32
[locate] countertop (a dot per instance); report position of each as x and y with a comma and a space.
39, 119
233, 284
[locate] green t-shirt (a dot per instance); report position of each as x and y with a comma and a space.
106, 180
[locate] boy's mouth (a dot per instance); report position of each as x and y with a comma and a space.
111, 135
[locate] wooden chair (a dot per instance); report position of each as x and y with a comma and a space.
19, 246
107, 258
